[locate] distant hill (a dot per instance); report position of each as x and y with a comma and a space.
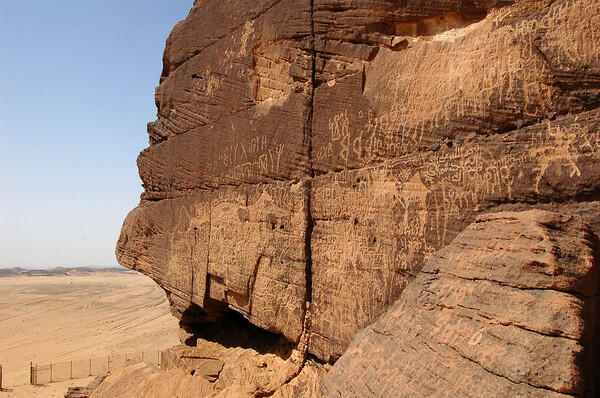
18, 271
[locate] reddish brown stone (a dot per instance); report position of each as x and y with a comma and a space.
315, 154
505, 310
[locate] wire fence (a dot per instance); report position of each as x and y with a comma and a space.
77, 369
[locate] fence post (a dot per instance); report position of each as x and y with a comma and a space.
51, 372
33, 374
0, 377
71, 370
108, 364
90, 366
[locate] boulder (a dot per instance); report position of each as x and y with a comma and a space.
509, 308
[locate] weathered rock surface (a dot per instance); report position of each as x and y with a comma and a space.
242, 246
227, 368
310, 156
143, 380
509, 308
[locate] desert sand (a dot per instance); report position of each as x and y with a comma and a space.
48, 319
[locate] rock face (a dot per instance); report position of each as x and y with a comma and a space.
310, 156
509, 309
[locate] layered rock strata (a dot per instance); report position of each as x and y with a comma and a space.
310, 156
510, 308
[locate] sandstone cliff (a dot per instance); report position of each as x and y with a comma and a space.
310, 156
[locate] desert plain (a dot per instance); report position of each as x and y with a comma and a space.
59, 318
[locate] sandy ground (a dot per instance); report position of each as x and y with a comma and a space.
46, 319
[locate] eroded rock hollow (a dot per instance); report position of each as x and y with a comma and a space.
310, 156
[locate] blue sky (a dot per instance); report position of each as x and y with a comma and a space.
77, 82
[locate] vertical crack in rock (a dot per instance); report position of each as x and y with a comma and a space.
308, 273
303, 344
207, 281
193, 267
252, 281
309, 221
305, 337
308, 247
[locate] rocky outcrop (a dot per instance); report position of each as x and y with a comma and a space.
510, 308
310, 156
239, 360
143, 380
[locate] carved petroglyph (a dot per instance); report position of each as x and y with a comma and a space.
267, 163
248, 31
426, 104
256, 252
256, 239
250, 158
339, 127
366, 138
466, 177
242, 150
560, 153
231, 238
436, 83
379, 136
373, 227
242, 232
205, 84
383, 222
572, 35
